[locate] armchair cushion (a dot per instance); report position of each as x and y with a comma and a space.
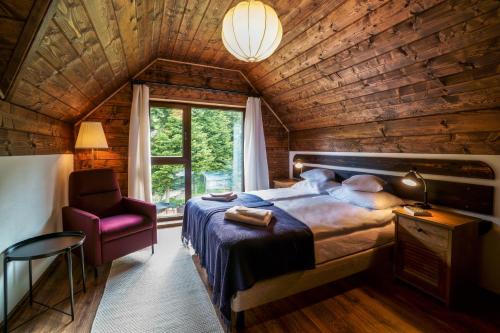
121, 225
139, 207
95, 191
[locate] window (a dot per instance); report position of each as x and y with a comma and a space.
195, 150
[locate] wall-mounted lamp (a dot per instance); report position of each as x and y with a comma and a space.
91, 136
412, 179
299, 165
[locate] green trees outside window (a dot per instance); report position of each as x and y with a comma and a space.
216, 153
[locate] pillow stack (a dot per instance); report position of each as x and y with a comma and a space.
317, 181
364, 183
365, 191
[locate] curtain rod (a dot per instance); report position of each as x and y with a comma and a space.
235, 92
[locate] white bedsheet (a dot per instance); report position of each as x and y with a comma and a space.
278, 194
340, 228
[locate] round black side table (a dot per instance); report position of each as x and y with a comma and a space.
42, 247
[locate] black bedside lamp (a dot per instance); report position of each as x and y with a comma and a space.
412, 179
299, 165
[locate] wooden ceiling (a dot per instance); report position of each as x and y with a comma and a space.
341, 62
13, 17
12, 20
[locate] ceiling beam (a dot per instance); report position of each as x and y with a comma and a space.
34, 29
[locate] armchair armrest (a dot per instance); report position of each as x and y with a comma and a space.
79, 220
140, 207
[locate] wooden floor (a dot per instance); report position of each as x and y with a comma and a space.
362, 303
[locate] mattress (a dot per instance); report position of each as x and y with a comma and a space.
343, 245
340, 228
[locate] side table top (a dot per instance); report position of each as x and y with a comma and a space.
45, 245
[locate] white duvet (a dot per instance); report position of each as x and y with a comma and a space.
278, 194
327, 217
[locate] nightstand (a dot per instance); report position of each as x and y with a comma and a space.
437, 254
282, 183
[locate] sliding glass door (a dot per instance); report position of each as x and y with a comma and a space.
195, 150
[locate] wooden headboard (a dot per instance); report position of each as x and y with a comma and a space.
463, 196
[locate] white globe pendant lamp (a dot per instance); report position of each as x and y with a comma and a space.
251, 31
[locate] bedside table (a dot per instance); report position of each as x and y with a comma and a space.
437, 254
282, 183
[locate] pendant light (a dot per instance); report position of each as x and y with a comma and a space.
251, 31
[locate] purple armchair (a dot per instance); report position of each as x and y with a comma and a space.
114, 225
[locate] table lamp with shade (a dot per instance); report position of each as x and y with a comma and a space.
91, 136
412, 178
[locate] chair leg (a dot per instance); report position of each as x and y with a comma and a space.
96, 273
152, 248
240, 320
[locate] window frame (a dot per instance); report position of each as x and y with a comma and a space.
186, 158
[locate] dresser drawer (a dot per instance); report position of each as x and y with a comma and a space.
429, 235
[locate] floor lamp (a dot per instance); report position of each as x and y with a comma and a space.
91, 136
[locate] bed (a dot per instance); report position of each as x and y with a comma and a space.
346, 239
340, 254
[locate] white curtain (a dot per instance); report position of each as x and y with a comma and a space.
139, 157
255, 158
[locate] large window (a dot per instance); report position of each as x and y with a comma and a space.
195, 150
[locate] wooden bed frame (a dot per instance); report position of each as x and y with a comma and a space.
282, 286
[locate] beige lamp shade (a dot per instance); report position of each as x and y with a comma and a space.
90, 136
251, 31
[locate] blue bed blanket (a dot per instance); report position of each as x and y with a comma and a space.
236, 255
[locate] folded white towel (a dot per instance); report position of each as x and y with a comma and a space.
223, 194
224, 199
232, 214
258, 213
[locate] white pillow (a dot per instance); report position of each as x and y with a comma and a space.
371, 200
315, 187
318, 175
365, 183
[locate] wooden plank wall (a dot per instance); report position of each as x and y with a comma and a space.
391, 76
25, 132
115, 115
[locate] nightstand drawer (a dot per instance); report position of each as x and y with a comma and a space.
430, 235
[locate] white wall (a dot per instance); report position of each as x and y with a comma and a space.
33, 189
489, 275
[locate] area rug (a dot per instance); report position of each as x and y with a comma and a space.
156, 293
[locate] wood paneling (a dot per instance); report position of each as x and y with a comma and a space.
19, 23
457, 168
342, 66
115, 113
471, 132
411, 65
114, 116
24, 132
